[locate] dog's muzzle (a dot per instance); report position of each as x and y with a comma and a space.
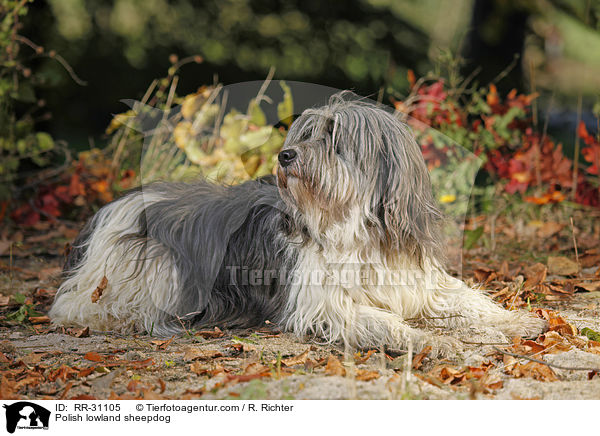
286, 157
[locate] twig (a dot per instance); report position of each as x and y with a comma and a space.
534, 354
553, 365
577, 146
182, 325
533, 90
507, 70
575, 245
435, 317
515, 297
52, 55
485, 343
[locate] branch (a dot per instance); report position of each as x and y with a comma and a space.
52, 55
553, 365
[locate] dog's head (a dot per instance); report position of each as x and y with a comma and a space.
353, 167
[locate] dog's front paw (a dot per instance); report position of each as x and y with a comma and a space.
524, 325
444, 346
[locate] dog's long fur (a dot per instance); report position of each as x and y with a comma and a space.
356, 198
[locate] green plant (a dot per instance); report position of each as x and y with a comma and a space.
458, 124
192, 135
26, 310
19, 140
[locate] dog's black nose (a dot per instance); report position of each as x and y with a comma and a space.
286, 157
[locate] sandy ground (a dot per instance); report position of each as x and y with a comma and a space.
267, 364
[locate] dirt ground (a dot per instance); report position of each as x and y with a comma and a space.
39, 361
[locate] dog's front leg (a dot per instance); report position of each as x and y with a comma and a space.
373, 327
466, 306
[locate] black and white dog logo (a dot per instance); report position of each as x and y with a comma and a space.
26, 415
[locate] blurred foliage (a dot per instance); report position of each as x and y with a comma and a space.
178, 130
498, 129
118, 44
295, 37
20, 143
77, 192
183, 137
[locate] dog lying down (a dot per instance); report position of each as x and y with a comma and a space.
344, 245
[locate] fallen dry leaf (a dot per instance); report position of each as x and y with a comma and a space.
34, 358
256, 368
245, 377
162, 344
296, 360
63, 373
39, 319
78, 333
418, 359
334, 367
99, 290
358, 358
535, 274
199, 368
548, 229
210, 334
588, 286
589, 260
553, 342
366, 375
535, 370
562, 266
92, 356
194, 353
503, 273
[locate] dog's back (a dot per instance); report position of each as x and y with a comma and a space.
176, 250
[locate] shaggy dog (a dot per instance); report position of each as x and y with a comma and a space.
345, 245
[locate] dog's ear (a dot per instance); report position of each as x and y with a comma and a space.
403, 201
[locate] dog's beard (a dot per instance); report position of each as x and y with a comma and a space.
321, 193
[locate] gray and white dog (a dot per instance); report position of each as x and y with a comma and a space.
346, 246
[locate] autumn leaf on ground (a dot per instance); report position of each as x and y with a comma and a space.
63, 373
535, 370
562, 266
210, 334
256, 368
548, 229
359, 358
556, 322
39, 319
78, 333
366, 375
588, 286
194, 353
92, 356
334, 367
418, 359
99, 290
162, 344
296, 360
536, 274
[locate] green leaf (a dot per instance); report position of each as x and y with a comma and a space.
45, 141
25, 93
285, 109
472, 236
244, 340
256, 114
19, 298
591, 334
